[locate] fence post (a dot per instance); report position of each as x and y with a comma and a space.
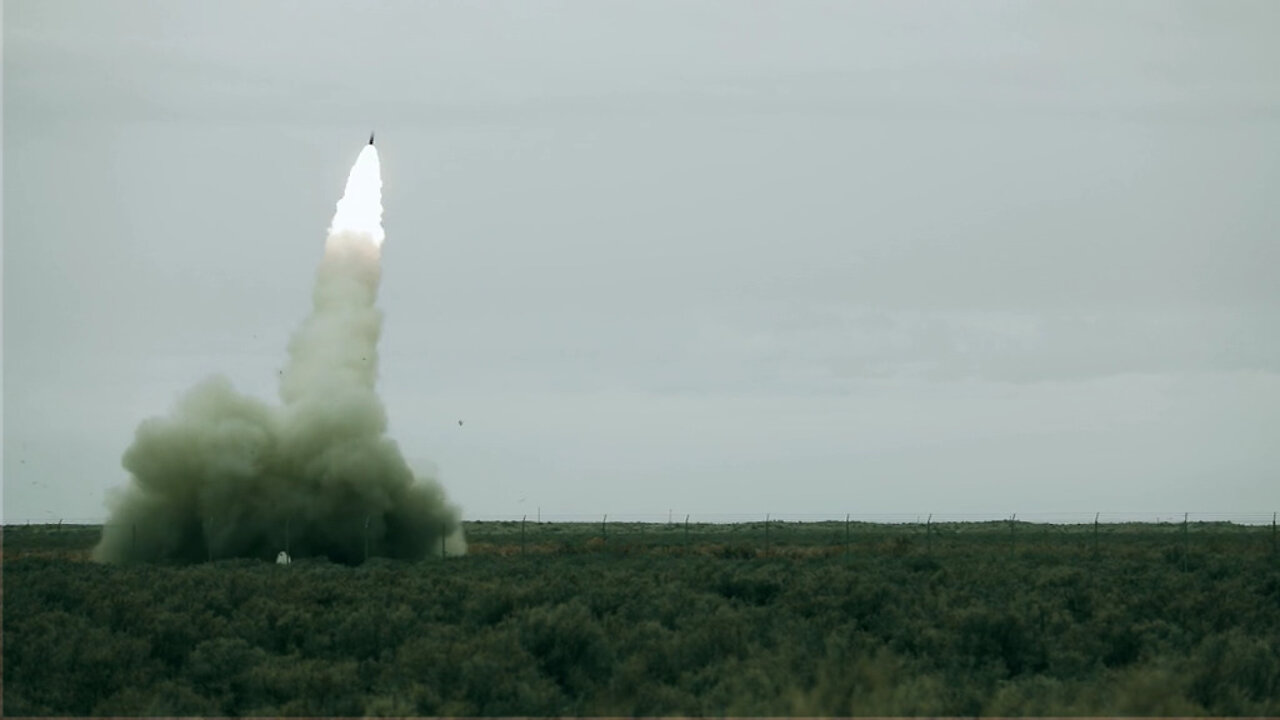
928, 534
1012, 519
1095, 532
846, 536
604, 527
1186, 541
766, 534
526, 517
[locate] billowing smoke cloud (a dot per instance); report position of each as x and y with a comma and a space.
227, 475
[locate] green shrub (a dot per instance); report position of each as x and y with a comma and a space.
971, 629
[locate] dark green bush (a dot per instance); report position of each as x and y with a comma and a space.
887, 630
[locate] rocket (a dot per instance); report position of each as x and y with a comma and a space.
370, 137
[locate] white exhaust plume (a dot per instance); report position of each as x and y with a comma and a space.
226, 475
360, 209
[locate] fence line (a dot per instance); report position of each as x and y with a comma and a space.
673, 517
736, 535
899, 518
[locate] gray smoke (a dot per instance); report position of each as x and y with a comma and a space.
227, 475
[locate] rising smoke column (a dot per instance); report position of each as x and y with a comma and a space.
227, 475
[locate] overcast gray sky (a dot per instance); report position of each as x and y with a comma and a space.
715, 256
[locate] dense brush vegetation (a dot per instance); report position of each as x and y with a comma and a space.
968, 620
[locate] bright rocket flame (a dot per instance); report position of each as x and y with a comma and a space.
360, 209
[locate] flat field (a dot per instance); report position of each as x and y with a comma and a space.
655, 619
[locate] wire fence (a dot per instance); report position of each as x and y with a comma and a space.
1177, 536
674, 516
742, 535
891, 518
